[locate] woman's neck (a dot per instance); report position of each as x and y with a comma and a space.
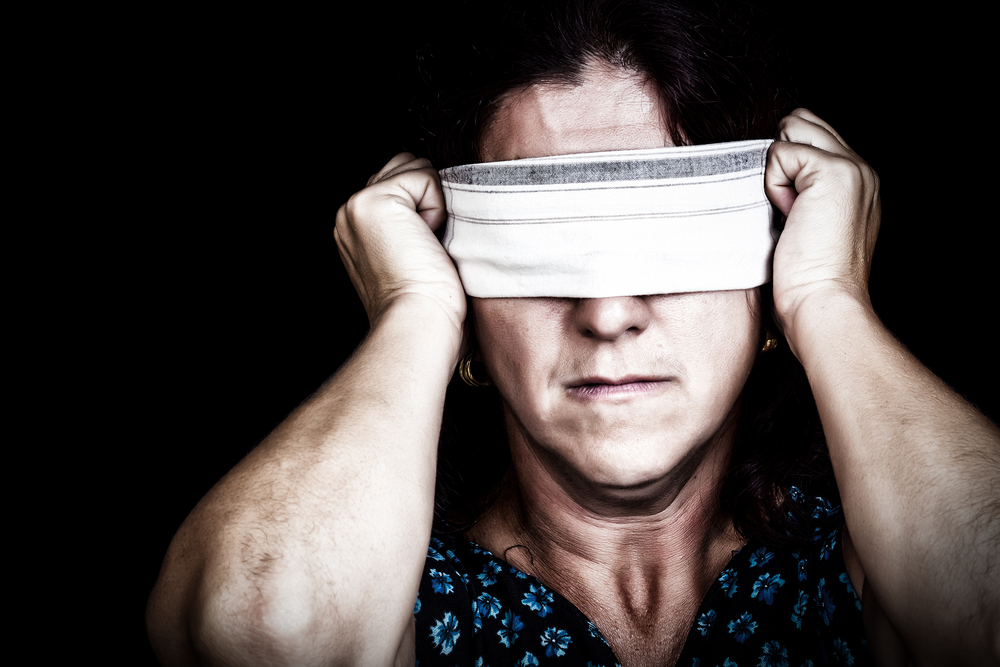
637, 562
663, 532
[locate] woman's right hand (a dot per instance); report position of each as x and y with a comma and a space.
385, 235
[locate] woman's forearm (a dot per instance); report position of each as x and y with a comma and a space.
919, 473
310, 550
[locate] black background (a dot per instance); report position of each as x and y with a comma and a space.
246, 131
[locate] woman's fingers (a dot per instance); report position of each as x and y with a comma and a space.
427, 197
804, 127
417, 186
395, 165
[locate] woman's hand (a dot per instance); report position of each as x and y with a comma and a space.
830, 198
385, 235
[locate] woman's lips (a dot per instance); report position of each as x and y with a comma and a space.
597, 388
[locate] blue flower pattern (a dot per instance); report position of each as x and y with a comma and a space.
828, 544
727, 580
768, 608
555, 642
775, 655
595, 633
760, 557
766, 587
803, 570
742, 627
538, 599
823, 509
488, 577
441, 582
445, 632
843, 652
799, 610
704, 623
511, 626
844, 579
489, 606
477, 620
824, 602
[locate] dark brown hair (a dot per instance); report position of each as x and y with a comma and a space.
721, 78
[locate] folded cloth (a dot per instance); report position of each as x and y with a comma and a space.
655, 221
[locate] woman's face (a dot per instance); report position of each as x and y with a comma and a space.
614, 392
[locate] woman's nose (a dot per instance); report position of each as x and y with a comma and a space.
610, 317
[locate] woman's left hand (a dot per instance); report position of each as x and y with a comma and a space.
830, 198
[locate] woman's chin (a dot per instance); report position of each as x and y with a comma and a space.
631, 476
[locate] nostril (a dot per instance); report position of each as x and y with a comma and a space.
609, 318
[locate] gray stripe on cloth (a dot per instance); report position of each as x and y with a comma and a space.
510, 173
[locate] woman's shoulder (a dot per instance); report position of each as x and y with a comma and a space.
784, 605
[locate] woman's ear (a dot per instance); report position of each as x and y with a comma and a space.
470, 353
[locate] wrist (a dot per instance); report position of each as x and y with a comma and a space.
830, 310
425, 320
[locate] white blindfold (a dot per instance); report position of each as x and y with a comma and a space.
655, 221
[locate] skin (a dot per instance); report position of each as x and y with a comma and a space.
283, 561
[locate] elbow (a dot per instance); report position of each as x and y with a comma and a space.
167, 625
237, 623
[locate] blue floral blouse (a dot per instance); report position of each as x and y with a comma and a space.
766, 609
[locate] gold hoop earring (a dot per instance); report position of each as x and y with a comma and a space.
770, 342
465, 372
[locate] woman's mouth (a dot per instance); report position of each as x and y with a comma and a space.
598, 388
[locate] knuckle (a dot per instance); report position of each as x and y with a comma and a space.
340, 218
874, 180
350, 209
791, 121
412, 165
863, 175
422, 163
850, 171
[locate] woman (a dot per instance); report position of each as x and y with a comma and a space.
622, 417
